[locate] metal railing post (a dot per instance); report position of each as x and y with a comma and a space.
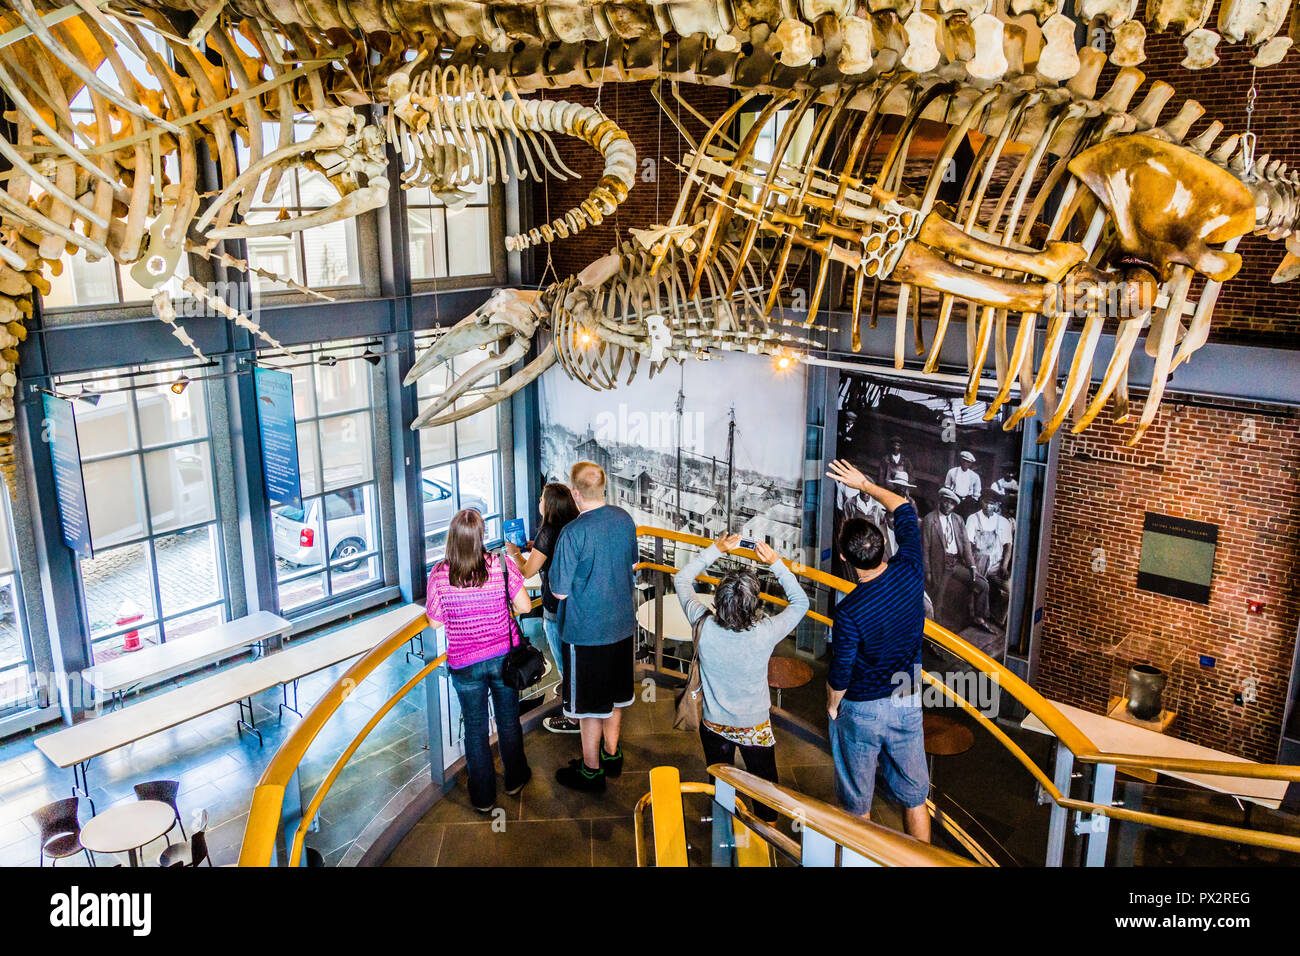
1060, 817
433, 716
724, 832
659, 607
1098, 824
817, 848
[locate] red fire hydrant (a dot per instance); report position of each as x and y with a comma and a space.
128, 613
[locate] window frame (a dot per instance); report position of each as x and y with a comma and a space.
14, 579
495, 206
139, 451
498, 453
328, 567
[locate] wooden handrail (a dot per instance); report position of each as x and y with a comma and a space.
877, 843
260, 831
258, 848
1065, 731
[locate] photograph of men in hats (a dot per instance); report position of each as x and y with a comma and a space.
952, 576
965, 481
990, 535
941, 455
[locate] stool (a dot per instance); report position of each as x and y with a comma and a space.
944, 737
785, 673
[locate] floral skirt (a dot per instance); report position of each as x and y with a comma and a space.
758, 736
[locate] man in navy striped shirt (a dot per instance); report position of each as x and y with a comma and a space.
873, 685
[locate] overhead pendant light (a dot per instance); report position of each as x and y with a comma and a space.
180, 384
89, 397
372, 357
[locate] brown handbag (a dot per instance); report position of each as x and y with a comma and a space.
690, 700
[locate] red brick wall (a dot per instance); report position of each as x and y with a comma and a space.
1251, 310
1194, 463
654, 136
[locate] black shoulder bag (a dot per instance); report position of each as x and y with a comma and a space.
524, 663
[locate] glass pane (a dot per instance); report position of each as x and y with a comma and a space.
298, 537
427, 236
115, 500
188, 573
304, 591
331, 255
308, 459
304, 392
166, 417
82, 283
276, 254
346, 450
180, 486
439, 505
478, 484
437, 445
342, 387
114, 647
189, 624
351, 529
15, 687
471, 253
478, 433
107, 427
6, 551
12, 647
119, 588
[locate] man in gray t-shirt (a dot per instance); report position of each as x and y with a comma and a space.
592, 578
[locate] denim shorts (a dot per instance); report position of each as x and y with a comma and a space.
883, 733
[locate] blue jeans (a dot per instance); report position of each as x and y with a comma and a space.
885, 733
473, 685
552, 631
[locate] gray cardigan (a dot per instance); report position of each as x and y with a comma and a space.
733, 664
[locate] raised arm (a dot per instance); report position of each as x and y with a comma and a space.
790, 616
850, 477
684, 580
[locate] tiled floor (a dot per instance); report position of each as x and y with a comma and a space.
985, 789
218, 768
548, 825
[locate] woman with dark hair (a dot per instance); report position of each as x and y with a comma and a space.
734, 646
557, 509
471, 593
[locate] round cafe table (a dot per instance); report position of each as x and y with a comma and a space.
127, 827
676, 627
944, 737
784, 673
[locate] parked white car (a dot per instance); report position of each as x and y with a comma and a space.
350, 524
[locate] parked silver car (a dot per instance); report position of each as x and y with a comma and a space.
349, 517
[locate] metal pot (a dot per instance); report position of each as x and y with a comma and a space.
1146, 683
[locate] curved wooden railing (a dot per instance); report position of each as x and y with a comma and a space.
260, 833
1065, 731
258, 848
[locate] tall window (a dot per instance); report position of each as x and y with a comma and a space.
84, 283
449, 242
320, 257
146, 458
461, 461
330, 546
15, 645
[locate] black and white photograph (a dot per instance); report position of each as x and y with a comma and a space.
703, 447
960, 472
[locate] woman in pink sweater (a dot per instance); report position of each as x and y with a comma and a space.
470, 594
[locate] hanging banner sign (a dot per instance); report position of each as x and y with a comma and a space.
60, 432
279, 434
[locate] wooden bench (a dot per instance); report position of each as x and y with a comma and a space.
115, 678
77, 745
